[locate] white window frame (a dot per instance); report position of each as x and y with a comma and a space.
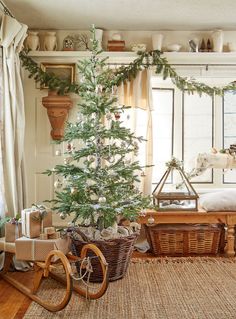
222, 77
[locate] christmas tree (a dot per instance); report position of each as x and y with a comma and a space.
96, 184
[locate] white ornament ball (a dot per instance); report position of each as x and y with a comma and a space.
151, 220
142, 213
73, 190
91, 158
66, 161
111, 159
62, 216
112, 173
58, 153
58, 184
102, 199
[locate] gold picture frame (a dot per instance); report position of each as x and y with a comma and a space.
64, 71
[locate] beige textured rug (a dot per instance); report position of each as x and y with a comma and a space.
173, 288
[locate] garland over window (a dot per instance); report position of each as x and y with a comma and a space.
125, 73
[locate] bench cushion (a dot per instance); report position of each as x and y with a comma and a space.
219, 201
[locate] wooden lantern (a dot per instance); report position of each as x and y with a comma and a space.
57, 109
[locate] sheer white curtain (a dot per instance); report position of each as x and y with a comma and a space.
12, 35
2, 201
138, 94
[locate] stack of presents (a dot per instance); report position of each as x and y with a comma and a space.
33, 236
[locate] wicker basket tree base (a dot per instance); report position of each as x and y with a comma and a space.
116, 251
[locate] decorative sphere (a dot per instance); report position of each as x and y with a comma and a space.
111, 159
73, 190
112, 173
62, 216
102, 199
142, 213
151, 220
58, 184
58, 153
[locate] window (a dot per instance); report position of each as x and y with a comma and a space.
185, 125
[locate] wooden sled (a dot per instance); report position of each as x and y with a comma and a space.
60, 270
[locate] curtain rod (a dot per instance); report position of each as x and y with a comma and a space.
6, 10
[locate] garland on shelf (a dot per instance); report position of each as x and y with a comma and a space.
125, 73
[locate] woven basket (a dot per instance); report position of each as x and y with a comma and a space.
116, 251
186, 239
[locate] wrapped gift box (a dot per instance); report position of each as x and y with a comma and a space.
37, 249
12, 231
9, 247
32, 223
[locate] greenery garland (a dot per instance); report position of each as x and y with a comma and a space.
125, 73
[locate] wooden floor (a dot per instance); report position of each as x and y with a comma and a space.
13, 304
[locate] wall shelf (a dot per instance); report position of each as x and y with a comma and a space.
185, 58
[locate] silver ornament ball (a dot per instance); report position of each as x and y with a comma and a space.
151, 220
62, 216
102, 199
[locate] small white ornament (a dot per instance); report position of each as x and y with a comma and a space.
79, 116
102, 199
116, 36
58, 184
62, 216
112, 173
151, 220
73, 190
142, 213
68, 160
91, 158
111, 159
58, 153
90, 182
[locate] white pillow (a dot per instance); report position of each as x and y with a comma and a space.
219, 201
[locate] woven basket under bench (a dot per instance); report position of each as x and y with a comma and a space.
186, 239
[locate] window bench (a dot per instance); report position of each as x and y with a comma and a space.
197, 217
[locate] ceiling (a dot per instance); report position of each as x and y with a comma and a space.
126, 14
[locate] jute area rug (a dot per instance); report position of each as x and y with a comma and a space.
173, 288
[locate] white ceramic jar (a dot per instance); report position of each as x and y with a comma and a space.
32, 41
217, 40
50, 41
98, 36
157, 40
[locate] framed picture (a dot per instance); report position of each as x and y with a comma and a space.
62, 71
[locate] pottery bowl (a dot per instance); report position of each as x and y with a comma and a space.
173, 47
